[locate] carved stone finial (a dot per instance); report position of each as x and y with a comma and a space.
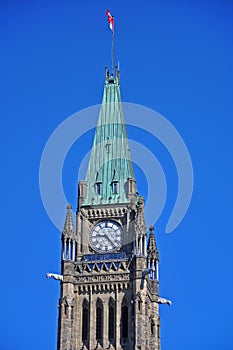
152, 250
151, 228
69, 225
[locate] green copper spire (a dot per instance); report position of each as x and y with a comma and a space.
110, 164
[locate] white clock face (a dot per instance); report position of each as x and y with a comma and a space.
106, 236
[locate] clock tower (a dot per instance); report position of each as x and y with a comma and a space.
109, 286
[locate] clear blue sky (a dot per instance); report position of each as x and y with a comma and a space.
176, 58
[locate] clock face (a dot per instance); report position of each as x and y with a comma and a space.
106, 236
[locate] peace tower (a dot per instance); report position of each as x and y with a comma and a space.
109, 269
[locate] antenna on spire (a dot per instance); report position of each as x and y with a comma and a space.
111, 26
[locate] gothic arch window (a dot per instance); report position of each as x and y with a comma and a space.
85, 317
125, 320
99, 320
111, 319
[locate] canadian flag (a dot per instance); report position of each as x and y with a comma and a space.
110, 20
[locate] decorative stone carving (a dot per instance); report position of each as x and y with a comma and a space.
104, 213
164, 301
54, 276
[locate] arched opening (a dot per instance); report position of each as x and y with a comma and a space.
85, 323
99, 321
111, 320
125, 321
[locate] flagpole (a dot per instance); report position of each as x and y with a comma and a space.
113, 52
111, 25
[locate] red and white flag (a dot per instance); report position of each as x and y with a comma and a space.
110, 20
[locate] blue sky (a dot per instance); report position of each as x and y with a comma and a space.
176, 58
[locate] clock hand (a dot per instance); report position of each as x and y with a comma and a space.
109, 239
111, 234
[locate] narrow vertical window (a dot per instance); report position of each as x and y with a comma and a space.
111, 320
158, 331
85, 321
125, 319
66, 309
115, 187
99, 320
139, 305
130, 187
152, 327
146, 308
98, 187
67, 250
